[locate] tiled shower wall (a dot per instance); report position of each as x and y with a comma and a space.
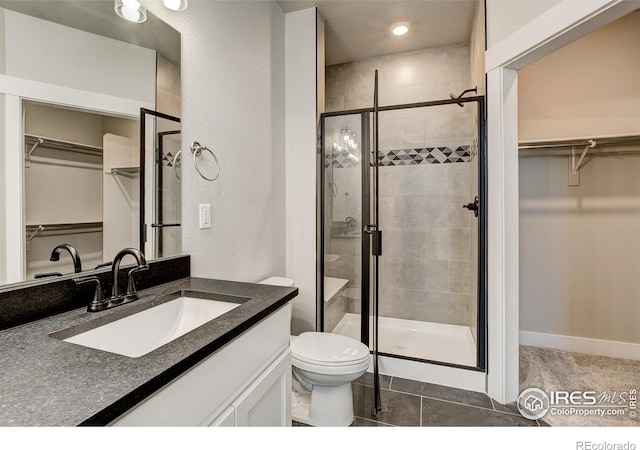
425, 178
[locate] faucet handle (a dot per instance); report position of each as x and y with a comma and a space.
98, 303
132, 294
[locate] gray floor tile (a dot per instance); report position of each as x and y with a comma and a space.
441, 392
367, 380
438, 413
397, 408
510, 407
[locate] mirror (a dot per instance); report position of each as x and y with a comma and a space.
95, 172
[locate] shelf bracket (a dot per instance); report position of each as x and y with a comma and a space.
27, 157
575, 166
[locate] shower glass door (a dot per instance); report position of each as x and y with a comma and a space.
431, 273
428, 184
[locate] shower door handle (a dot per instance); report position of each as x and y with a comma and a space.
472, 206
376, 239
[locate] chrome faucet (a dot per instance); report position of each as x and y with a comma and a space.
55, 256
131, 293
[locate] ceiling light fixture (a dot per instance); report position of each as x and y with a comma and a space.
131, 10
400, 28
175, 5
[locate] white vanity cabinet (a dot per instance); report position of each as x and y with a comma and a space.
247, 382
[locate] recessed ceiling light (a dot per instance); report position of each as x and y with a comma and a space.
131, 10
400, 28
176, 5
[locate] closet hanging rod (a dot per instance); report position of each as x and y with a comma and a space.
569, 143
58, 144
43, 228
567, 152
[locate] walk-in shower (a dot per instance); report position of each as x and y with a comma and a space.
429, 192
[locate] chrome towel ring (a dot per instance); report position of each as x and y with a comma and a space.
196, 150
177, 163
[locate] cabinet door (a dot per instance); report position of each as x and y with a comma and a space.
267, 401
226, 419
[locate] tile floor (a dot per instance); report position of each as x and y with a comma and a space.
415, 404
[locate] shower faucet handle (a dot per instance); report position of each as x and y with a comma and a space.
473, 206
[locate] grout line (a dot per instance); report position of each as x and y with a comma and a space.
493, 405
458, 403
377, 421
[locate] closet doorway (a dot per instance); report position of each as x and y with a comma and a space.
579, 191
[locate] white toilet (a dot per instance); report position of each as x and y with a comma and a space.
324, 365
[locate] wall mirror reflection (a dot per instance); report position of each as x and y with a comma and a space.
80, 163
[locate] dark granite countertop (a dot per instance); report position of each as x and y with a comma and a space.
45, 381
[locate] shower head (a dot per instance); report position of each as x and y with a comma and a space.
453, 97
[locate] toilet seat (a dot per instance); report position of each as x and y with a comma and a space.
328, 353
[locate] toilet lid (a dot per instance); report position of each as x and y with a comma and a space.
328, 349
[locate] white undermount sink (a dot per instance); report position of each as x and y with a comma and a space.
140, 333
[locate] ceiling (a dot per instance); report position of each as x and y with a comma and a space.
98, 17
359, 29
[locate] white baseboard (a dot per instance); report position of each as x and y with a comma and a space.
613, 349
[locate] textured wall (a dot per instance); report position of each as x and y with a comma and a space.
233, 102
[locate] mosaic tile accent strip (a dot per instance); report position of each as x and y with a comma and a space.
167, 160
412, 156
427, 155
341, 161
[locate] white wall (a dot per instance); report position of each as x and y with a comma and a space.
580, 247
45, 51
300, 79
233, 102
506, 16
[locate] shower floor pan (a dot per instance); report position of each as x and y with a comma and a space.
453, 344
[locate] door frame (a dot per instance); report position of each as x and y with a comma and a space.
563, 23
147, 166
15, 91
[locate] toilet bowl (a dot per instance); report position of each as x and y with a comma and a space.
323, 367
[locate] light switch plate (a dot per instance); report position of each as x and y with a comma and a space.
205, 216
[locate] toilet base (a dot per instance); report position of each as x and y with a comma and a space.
324, 406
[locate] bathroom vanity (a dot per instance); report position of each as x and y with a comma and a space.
232, 370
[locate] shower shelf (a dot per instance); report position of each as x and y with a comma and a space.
332, 286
